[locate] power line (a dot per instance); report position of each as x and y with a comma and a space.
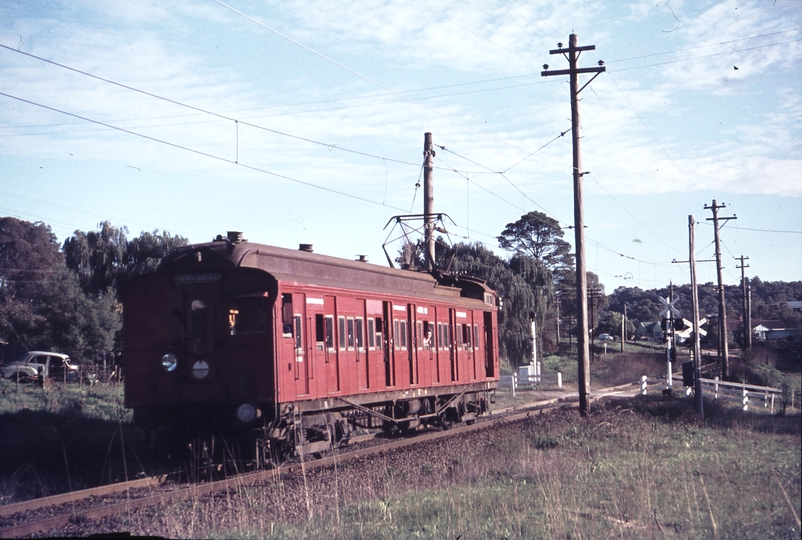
201, 153
703, 46
364, 77
709, 55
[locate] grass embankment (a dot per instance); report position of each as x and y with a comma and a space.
640, 468
61, 438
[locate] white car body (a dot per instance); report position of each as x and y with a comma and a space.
32, 363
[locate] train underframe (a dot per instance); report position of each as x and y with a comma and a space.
305, 428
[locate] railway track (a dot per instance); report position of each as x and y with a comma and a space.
59, 511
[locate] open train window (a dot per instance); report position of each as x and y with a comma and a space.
350, 341
247, 315
428, 336
475, 336
379, 333
286, 315
466, 336
359, 334
330, 333
397, 333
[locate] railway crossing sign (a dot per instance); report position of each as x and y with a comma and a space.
668, 307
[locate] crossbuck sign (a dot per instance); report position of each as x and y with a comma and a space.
668, 307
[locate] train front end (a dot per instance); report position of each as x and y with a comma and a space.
198, 343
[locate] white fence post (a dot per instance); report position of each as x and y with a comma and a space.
715, 393
643, 385
560, 379
745, 398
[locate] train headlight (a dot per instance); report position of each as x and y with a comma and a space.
200, 369
169, 362
246, 413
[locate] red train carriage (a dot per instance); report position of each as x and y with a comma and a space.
295, 349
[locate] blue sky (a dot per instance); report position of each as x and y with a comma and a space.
303, 122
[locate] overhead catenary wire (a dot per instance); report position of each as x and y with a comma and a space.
201, 153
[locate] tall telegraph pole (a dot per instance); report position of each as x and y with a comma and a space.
572, 54
747, 323
722, 305
428, 199
697, 348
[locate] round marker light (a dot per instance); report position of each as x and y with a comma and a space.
200, 369
246, 413
169, 362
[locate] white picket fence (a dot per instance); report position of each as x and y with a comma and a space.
727, 391
514, 382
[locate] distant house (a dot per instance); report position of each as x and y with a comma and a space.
772, 330
649, 331
795, 305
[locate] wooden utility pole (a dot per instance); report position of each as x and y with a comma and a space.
572, 54
747, 323
428, 199
722, 304
697, 347
624, 328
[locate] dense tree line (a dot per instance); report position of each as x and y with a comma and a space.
65, 298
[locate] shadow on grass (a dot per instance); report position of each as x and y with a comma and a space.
43, 453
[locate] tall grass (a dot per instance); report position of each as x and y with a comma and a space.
642, 468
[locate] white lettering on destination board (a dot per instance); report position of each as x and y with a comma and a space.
315, 301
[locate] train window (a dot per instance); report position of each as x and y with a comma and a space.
341, 335
199, 336
320, 332
298, 328
397, 333
371, 333
286, 315
420, 335
403, 335
350, 333
460, 335
466, 336
475, 336
428, 337
330, 332
360, 342
379, 333
247, 316
440, 338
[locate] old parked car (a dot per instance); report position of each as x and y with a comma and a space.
32, 363
606, 337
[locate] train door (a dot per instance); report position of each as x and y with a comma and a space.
361, 346
490, 360
452, 350
296, 345
412, 344
332, 355
374, 343
400, 339
387, 345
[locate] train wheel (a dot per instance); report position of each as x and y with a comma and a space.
446, 419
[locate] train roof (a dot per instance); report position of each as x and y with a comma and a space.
303, 266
